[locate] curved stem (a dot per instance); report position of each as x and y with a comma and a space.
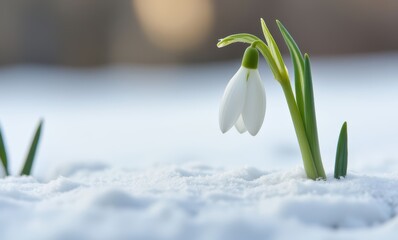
263, 48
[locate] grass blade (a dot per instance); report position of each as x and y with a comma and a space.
3, 155
310, 116
340, 168
298, 63
274, 50
32, 151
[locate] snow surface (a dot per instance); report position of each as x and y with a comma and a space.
198, 202
136, 153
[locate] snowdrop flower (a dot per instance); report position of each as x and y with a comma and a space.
243, 103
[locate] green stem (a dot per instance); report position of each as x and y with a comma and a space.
305, 149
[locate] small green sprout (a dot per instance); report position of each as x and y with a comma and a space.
340, 168
26, 170
244, 106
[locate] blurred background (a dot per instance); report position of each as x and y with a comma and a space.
137, 82
100, 32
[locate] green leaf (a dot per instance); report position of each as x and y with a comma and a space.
340, 168
298, 63
3, 155
274, 50
32, 151
310, 116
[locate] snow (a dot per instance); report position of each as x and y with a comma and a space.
198, 202
136, 153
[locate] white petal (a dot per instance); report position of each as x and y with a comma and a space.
254, 109
233, 100
240, 125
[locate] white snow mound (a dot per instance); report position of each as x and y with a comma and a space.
198, 202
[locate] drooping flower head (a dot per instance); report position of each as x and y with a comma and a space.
243, 102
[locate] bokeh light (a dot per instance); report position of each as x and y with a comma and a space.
175, 25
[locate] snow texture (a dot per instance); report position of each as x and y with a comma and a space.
136, 153
198, 202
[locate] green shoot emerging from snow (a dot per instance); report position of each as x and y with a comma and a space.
243, 103
26, 170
